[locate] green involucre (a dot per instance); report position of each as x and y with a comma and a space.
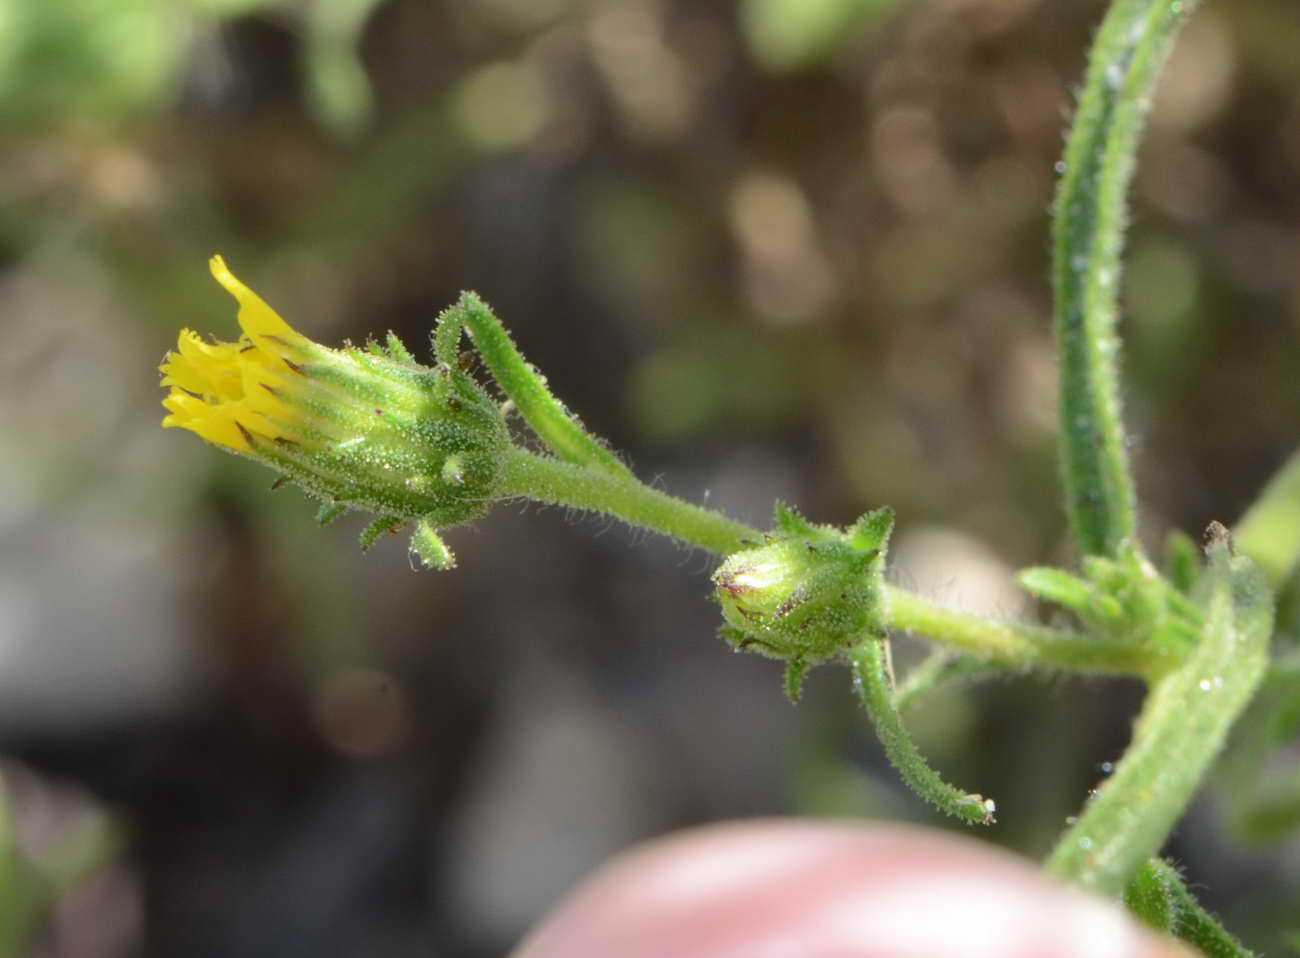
806, 593
402, 426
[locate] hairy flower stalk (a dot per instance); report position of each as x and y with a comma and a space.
366, 429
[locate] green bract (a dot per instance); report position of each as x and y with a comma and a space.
807, 593
1124, 599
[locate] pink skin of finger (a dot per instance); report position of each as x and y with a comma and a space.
803, 889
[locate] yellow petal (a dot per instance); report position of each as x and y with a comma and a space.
207, 368
263, 391
255, 317
221, 428
184, 409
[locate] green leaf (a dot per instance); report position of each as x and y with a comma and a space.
872, 531
446, 336
874, 685
1158, 896
337, 86
329, 512
384, 525
795, 672
1056, 585
398, 351
543, 412
428, 545
790, 522
1148, 896
1182, 561
785, 34
1090, 217
1269, 532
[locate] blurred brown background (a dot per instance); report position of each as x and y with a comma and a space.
787, 249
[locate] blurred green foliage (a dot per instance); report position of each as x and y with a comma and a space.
87, 64
787, 34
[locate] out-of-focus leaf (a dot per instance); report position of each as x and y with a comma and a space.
787, 34
337, 83
86, 63
224, 9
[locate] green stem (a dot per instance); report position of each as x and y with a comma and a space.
1090, 218
1178, 734
546, 479
563, 483
874, 686
1017, 645
1269, 532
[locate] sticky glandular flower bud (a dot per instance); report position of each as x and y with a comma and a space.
807, 593
363, 428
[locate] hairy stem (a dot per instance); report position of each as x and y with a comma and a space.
1090, 218
563, 483
546, 479
1178, 734
1014, 644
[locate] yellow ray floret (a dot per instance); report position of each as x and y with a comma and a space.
225, 392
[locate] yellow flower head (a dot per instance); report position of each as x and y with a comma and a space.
360, 428
227, 392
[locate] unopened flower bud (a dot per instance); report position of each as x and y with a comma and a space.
808, 592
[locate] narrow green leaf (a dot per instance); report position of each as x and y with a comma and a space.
1149, 897
1188, 920
329, 512
873, 529
788, 520
1182, 561
1269, 532
872, 682
545, 414
398, 351
1090, 217
428, 545
796, 670
446, 335
382, 526
1056, 585
1158, 896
